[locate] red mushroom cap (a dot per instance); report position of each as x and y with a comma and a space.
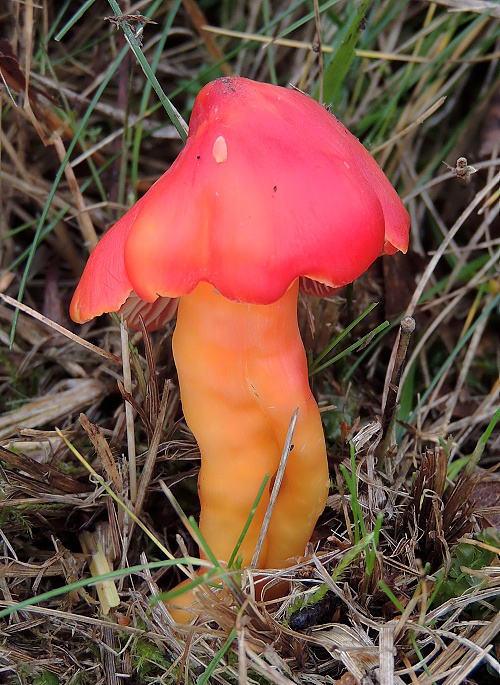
269, 187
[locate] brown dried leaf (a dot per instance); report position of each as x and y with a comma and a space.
439, 525
43, 473
103, 452
14, 77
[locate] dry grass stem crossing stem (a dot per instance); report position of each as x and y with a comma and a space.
129, 414
83, 218
406, 329
276, 488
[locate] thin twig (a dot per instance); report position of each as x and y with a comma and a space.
406, 329
129, 415
276, 487
319, 45
147, 471
299, 44
414, 124
60, 329
83, 218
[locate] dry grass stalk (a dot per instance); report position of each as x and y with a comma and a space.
276, 488
68, 397
436, 524
129, 416
199, 21
58, 328
103, 452
478, 6
83, 218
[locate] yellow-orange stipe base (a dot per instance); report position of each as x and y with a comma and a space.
242, 372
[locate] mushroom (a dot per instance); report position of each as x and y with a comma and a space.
269, 188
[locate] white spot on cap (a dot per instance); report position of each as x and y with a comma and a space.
346, 165
219, 150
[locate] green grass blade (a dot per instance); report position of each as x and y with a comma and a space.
77, 15
491, 306
173, 114
147, 92
185, 588
350, 479
55, 24
478, 452
315, 364
344, 57
365, 340
215, 661
59, 175
390, 594
249, 520
94, 580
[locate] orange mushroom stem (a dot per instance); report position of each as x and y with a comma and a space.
242, 373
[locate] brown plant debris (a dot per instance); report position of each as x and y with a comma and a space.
436, 525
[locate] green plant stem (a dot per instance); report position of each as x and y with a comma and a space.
173, 114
